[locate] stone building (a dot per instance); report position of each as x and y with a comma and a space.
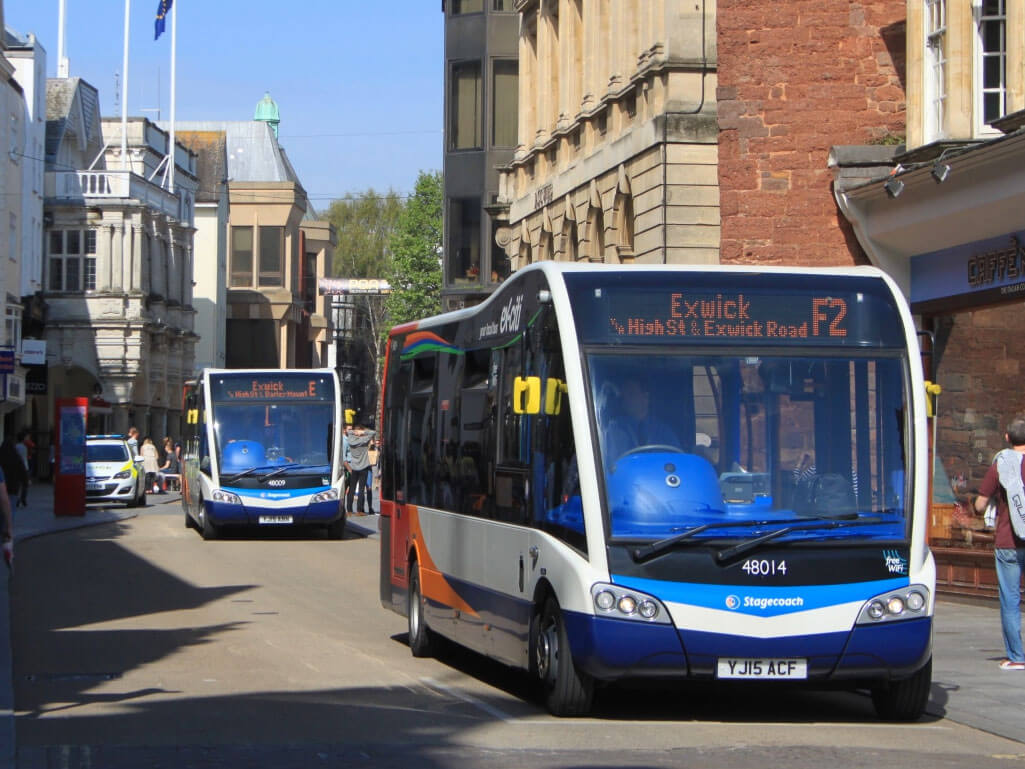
275, 251
118, 274
616, 159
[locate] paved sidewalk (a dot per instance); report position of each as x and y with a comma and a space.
968, 687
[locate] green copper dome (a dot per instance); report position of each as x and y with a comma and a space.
267, 110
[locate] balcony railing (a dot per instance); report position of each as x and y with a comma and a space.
91, 187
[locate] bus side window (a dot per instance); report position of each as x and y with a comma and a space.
513, 469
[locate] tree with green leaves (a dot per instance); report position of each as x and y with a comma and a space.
416, 250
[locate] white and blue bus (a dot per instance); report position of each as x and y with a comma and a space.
770, 524
263, 448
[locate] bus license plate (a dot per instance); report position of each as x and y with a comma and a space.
788, 669
275, 519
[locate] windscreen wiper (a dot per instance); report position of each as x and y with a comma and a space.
278, 471
822, 523
641, 554
242, 473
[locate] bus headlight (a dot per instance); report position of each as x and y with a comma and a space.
325, 496
225, 497
907, 603
620, 603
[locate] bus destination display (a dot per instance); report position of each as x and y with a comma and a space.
286, 388
730, 316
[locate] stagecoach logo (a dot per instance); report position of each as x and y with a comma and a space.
732, 602
895, 562
508, 321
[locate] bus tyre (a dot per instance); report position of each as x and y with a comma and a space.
209, 529
566, 691
904, 700
336, 529
420, 641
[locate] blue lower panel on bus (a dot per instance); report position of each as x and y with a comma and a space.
243, 515
609, 649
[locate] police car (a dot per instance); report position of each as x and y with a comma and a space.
112, 474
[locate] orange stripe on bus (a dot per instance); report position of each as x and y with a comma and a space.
432, 582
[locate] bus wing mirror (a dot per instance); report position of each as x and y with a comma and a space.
527, 395
554, 388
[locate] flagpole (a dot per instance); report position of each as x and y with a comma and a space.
62, 59
174, 49
124, 92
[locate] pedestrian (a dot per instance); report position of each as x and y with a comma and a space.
358, 465
14, 470
31, 453
150, 464
347, 474
1003, 484
169, 473
23, 453
133, 441
6, 524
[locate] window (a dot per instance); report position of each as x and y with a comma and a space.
992, 63
504, 6
505, 126
72, 260
241, 256
12, 325
460, 7
272, 254
466, 106
935, 68
464, 233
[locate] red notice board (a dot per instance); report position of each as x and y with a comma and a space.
69, 459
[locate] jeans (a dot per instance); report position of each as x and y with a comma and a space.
1010, 562
364, 499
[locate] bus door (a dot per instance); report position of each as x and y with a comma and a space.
395, 473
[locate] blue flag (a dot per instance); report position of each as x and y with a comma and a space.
162, 9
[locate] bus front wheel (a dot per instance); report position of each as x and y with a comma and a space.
209, 530
904, 700
567, 692
420, 641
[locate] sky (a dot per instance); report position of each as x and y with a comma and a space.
358, 83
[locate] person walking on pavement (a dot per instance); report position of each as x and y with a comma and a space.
21, 446
133, 441
358, 465
15, 472
6, 524
1004, 484
150, 464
